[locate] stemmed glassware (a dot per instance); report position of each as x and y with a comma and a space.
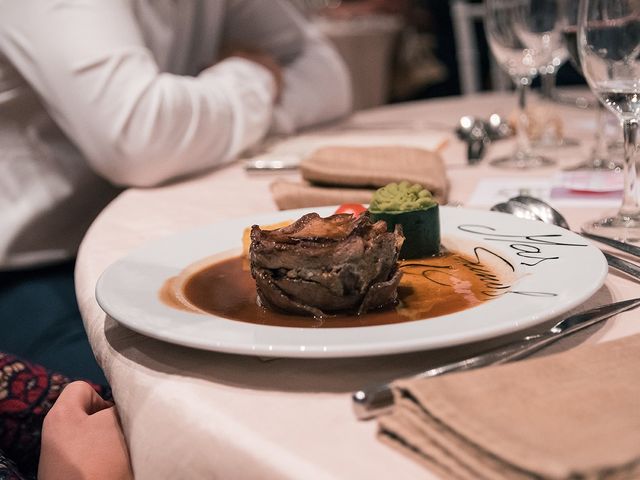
599, 158
522, 35
609, 49
548, 79
549, 73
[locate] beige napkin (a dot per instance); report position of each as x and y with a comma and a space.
571, 415
342, 174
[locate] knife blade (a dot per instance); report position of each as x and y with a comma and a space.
374, 400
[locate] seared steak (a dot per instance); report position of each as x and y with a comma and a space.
322, 266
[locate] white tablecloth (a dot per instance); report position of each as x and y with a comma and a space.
196, 414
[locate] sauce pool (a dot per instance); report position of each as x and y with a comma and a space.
430, 287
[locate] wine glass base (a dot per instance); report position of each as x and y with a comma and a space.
618, 227
522, 162
596, 164
554, 142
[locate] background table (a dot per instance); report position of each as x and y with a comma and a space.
195, 414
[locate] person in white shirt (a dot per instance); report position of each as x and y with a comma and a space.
96, 95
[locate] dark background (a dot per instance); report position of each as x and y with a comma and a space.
434, 16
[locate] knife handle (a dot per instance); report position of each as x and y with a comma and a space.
622, 246
624, 266
375, 400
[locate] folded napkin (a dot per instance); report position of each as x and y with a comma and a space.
344, 174
566, 416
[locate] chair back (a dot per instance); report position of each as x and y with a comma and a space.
465, 16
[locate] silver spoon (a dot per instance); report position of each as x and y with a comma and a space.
517, 206
518, 209
548, 214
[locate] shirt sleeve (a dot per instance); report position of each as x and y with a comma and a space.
317, 86
135, 125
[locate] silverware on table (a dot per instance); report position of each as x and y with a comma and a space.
479, 133
618, 263
473, 131
374, 400
273, 162
548, 214
532, 208
622, 246
263, 158
267, 157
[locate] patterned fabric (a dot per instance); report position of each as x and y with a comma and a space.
27, 393
8, 469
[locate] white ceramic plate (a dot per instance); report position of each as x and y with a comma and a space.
553, 271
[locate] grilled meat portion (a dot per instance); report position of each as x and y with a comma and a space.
323, 266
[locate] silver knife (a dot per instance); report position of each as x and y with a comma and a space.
622, 265
377, 399
622, 246
273, 162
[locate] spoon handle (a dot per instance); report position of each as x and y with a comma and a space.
622, 246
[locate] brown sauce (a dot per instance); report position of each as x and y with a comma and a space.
429, 288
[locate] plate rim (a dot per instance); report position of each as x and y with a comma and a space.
343, 351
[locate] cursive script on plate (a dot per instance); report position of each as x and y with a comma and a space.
479, 265
532, 249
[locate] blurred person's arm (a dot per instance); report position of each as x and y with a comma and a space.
356, 8
135, 125
264, 59
82, 439
316, 83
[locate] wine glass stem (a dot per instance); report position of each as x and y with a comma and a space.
522, 126
548, 83
600, 151
630, 205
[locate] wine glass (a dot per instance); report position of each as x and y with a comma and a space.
609, 50
599, 158
548, 79
522, 35
549, 73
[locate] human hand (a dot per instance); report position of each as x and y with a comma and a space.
264, 59
82, 438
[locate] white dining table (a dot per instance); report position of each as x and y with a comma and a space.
189, 413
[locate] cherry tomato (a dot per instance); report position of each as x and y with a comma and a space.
353, 208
